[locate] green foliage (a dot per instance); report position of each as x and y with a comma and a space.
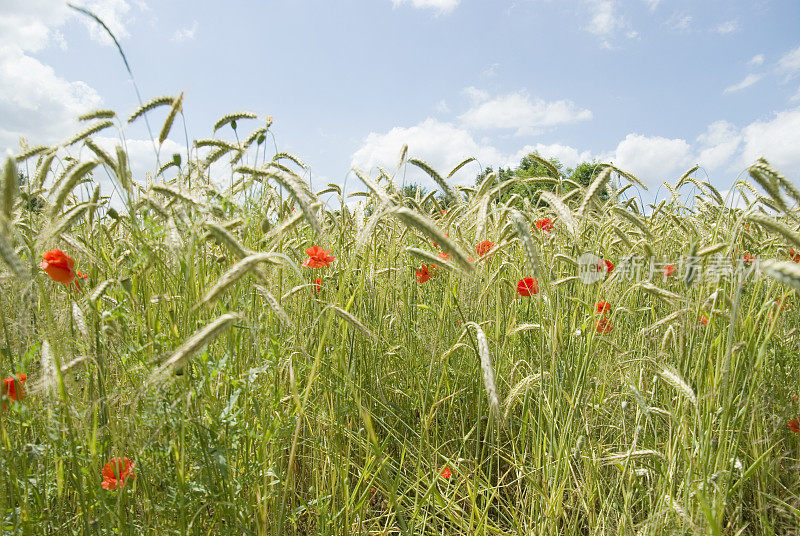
385, 405
531, 166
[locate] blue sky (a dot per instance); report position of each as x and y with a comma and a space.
655, 86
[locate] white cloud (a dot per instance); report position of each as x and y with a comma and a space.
604, 17
776, 140
491, 70
114, 13
790, 62
606, 22
476, 95
682, 23
756, 61
26, 25
727, 27
723, 149
184, 34
652, 159
652, 4
718, 144
35, 102
517, 111
442, 145
442, 6
569, 156
141, 155
748, 81
442, 107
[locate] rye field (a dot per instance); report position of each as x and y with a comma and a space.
216, 348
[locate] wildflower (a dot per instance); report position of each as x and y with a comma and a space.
423, 274
527, 287
116, 472
748, 258
604, 326
603, 307
703, 320
605, 266
444, 256
484, 247
437, 245
318, 257
794, 256
13, 387
446, 473
545, 225
317, 285
794, 425
669, 270
59, 266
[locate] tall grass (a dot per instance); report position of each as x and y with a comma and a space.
255, 399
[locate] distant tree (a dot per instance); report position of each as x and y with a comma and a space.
532, 165
410, 190
585, 173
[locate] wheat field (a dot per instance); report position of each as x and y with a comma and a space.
219, 349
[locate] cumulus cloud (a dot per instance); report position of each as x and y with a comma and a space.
35, 101
113, 13
442, 145
518, 112
184, 34
718, 144
748, 81
652, 159
723, 149
441, 6
776, 140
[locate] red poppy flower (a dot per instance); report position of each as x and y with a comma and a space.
446, 473
703, 320
116, 472
748, 258
318, 257
59, 266
527, 287
484, 247
444, 256
603, 307
545, 224
669, 270
13, 387
794, 426
794, 256
604, 325
317, 285
605, 266
423, 274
